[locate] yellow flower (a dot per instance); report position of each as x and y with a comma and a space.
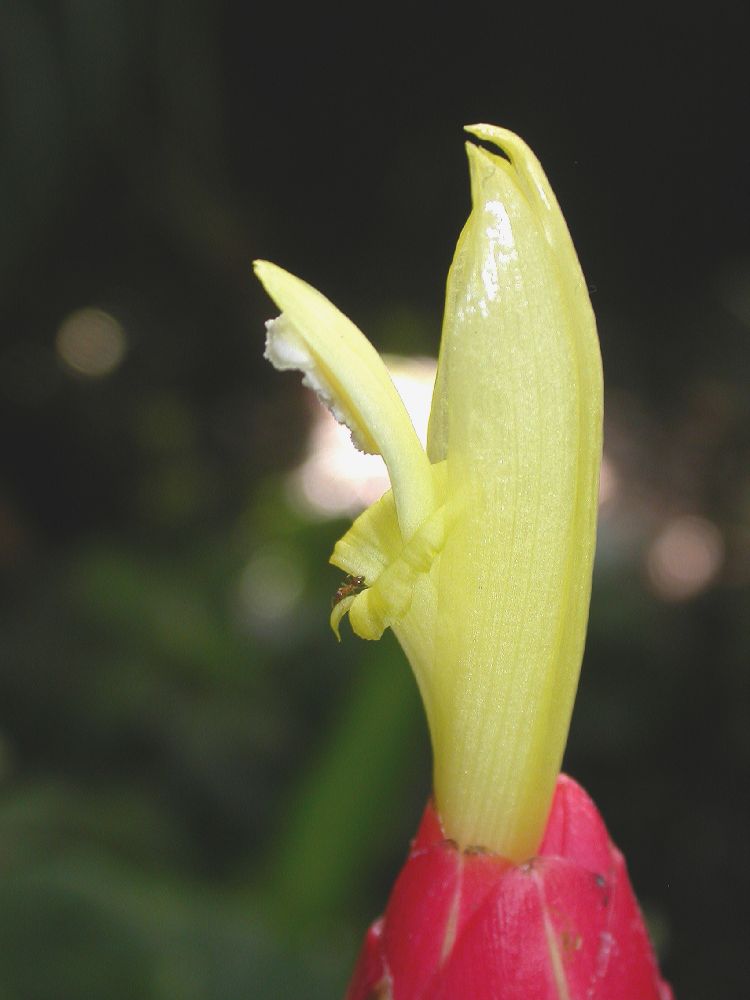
479, 557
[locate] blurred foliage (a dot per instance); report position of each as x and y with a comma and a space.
201, 793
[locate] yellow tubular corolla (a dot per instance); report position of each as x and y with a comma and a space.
481, 558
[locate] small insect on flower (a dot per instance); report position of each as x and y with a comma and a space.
351, 586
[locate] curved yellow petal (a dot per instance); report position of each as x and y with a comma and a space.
337, 613
341, 365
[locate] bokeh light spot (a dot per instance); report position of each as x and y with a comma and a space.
268, 591
91, 342
685, 558
336, 480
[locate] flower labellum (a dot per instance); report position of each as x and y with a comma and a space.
479, 558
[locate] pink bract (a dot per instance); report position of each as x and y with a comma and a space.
468, 925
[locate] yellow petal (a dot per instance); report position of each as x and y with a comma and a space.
337, 613
517, 413
401, 581
371, 543
390, 567
338, 361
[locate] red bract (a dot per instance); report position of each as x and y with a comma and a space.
467, 925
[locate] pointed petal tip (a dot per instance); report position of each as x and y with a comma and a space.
493, 133
265, 269
507, 148
262, 270
274, 278
508, 142
479, 158
476, 129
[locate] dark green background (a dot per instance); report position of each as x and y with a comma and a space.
192, 806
